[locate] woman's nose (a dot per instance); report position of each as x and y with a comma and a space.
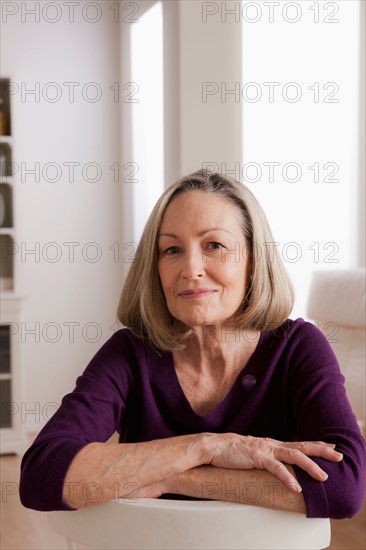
193, 264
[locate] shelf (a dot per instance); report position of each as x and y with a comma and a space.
5, 97
7, 253
10, 295
7, 231
5, 376
6, 164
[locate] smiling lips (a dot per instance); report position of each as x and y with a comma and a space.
196, 293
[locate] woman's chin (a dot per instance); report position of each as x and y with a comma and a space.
199, 322
196, 319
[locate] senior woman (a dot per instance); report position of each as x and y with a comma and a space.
215, 393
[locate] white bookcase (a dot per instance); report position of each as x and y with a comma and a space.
12, 403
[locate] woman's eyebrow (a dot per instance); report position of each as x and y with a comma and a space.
200, 234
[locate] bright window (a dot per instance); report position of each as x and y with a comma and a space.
147, 113
300, 115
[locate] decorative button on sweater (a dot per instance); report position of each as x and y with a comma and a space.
249, 382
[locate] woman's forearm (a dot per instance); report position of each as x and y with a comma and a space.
101, 471
256, 487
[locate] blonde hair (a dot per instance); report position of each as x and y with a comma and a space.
269, 297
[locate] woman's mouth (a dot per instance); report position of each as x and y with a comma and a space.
196, 293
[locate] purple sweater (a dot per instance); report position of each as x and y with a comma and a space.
291, 390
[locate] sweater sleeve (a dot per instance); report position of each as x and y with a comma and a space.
322, 412
92, 412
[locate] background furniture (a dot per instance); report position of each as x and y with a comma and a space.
162, 524
337, 301
13, 406
6, 190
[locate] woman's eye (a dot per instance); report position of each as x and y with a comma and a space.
213, 246
171, 250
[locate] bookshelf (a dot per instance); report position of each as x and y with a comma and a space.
13, 406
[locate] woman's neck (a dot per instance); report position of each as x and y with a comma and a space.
213, 350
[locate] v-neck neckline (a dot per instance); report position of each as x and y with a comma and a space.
165, 381
227, 397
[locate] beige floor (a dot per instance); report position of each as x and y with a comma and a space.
21, 528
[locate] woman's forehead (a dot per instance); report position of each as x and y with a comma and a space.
200, 207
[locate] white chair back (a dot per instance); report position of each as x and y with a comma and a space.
337, 302
162, 524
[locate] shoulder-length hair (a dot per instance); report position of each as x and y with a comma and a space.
269, 297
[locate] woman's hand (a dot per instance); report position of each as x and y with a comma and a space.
230, 450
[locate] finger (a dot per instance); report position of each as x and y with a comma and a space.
283, 474
295, 456
324, 443
311, 448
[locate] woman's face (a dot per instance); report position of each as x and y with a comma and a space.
202, 263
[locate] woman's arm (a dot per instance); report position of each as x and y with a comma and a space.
255, 487
322, 411
102, 471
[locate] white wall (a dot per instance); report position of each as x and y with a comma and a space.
209, 52
64, 211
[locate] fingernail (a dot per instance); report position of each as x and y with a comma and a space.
295, 486
339, 455
324, 475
